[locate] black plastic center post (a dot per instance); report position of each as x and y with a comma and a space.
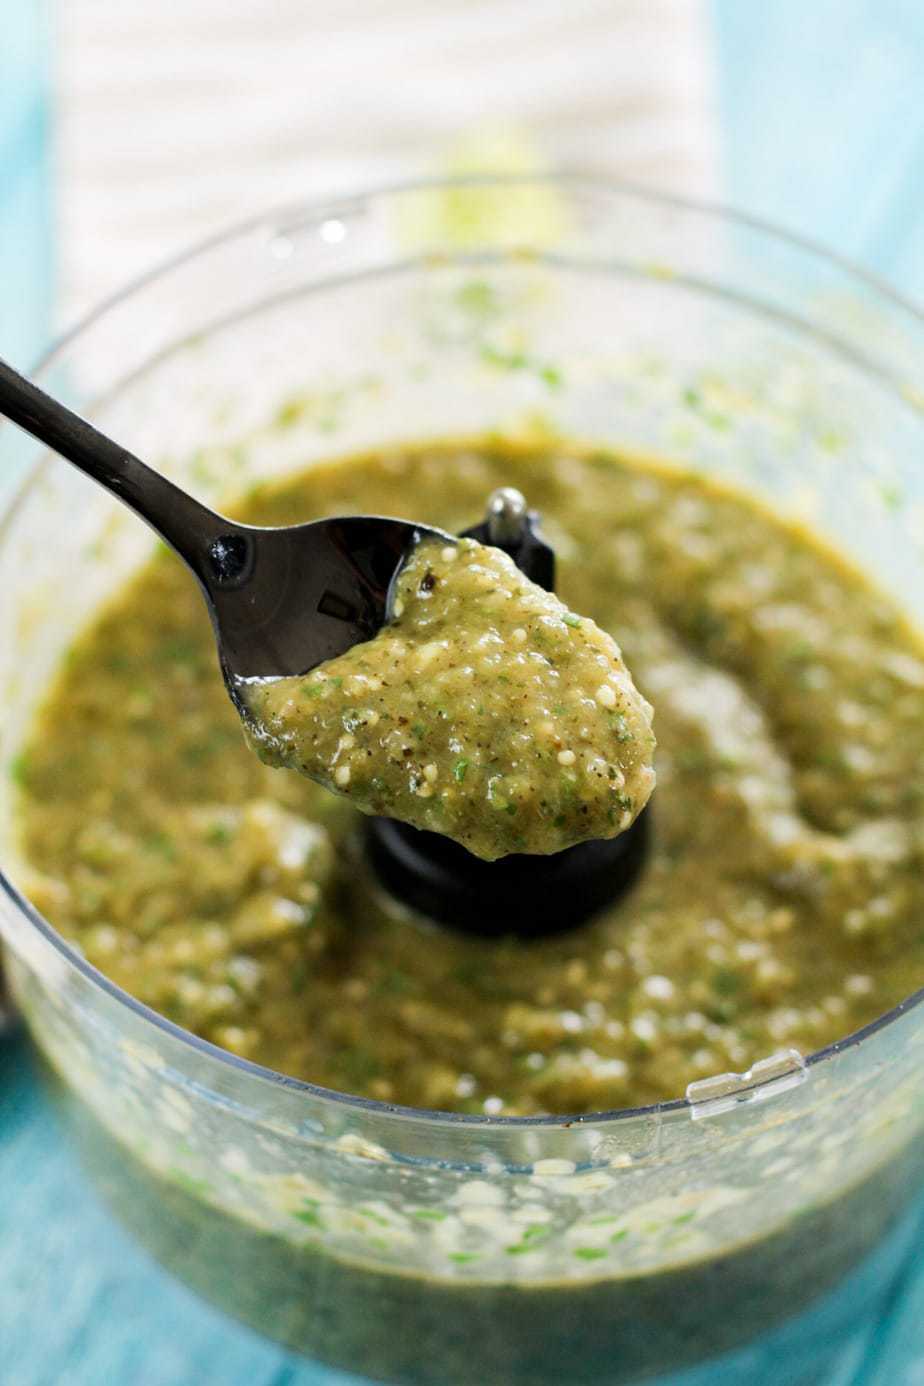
523, 895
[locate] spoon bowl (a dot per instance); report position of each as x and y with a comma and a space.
282, 600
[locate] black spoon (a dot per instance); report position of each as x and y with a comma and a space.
284, 600
281, 600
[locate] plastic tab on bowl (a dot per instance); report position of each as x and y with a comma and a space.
712, 1096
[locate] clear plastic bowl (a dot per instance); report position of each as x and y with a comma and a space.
418, 1246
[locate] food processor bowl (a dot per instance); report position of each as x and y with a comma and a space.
423, 1247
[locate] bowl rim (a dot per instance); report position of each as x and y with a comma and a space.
317, 210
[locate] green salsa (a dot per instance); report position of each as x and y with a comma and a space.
485, 710
781, 903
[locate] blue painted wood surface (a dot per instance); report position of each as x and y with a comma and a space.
25, 220
823, 129
822, 106
80, 1304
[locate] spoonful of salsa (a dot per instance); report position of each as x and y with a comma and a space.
425, 676
483, 710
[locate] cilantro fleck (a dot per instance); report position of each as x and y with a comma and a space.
375, 1217
19, 770
289, 413
178, 650
829, 759
706, 625
189, 1182
162, 844
531, 1239
621, 728
361, 1067
799, 652
219, 834
505, 360
394, 983
726, 982
477, 297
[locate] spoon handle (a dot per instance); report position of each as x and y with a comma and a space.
182, 522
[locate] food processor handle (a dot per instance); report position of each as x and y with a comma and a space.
182, 522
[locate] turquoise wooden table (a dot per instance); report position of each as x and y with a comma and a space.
823, 129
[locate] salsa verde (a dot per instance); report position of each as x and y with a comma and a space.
781, 903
